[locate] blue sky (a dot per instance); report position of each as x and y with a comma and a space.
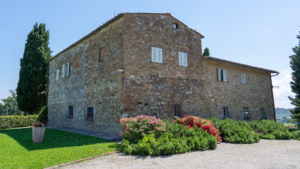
258, 33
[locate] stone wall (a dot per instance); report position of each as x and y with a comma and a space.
154, 88
255, 94
91, 83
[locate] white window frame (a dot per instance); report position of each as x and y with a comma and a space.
57, 74
155, 53
222, 75
182, 59
243, 78
65, 70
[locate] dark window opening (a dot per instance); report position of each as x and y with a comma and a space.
225, 112
246, 113
176, 25
176, 110
90, 113
146, 104
101, 54
262, 113
70, 112
222, 76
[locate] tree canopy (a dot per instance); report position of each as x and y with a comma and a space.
295, 83
10, 106
33, 72
206, 52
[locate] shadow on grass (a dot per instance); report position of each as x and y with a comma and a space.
52, 139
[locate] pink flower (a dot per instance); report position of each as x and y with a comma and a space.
120, 120
126, 124
158, 129
142, 129
33, 124
121, 132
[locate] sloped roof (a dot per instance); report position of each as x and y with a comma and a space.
240, 64
109, 22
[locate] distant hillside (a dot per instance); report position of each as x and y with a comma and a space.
283, 115
281, 112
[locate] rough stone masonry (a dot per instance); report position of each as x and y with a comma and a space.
110, 73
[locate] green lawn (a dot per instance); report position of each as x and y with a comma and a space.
18, 151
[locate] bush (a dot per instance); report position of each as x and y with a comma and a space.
269, 129
16, 121
43, 115
206, 125
296, 135
235, 131
135, 128
176, 139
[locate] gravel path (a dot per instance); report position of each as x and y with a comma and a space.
269, 154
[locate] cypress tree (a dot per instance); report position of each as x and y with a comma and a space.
206, 52
33, 72
295, 83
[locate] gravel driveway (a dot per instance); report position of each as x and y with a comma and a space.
271, 154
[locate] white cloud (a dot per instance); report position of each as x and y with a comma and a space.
281, 94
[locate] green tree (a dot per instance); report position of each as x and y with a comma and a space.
10, 106
206, 52
295, 83
1, 109
33, 72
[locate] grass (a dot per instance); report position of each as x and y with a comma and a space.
18, 151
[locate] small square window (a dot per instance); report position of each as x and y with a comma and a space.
101, 54
70, 112
156, 55
90, 113
176, 110
225, 112
176, 25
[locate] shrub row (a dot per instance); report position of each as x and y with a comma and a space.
176, 139
269, 129
206, 125
16, 121
235, 131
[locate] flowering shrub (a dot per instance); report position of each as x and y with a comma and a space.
206, 125
135, 128
38, 124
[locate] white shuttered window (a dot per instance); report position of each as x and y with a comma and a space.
243, 78
157, 55
222, 75
65, 70
182, 57
57, 74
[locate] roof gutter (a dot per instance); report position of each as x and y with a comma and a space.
277, 73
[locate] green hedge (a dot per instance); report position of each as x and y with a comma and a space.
269, 129
232, 131
16, 121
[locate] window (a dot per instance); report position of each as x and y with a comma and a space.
176, 110
157, 55
176, 25
225, 112
182, 59
90, 113
222, 75
70, 112
101, 54
262, 113
57, 74
246, 113
243, 78
65, 70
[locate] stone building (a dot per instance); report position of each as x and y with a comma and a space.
150, 64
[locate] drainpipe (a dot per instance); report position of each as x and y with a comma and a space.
277, 73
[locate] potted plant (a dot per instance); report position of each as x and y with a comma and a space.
38, 131
90, 116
